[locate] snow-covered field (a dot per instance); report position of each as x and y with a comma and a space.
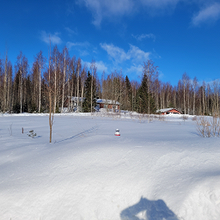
157, 170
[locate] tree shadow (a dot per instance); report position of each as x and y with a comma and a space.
81, 134
148, 210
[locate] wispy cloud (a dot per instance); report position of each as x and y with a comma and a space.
138, 55
131, 60
143, 36
137, 69
208, 14
101, 9
70, 31
84, 48
116, 53
50, 38
104, 8
99, 64
134, 54
77, 44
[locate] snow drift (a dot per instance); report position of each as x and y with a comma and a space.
156, 170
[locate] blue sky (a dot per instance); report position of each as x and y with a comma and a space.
178, 35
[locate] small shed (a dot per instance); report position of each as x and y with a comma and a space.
167, 111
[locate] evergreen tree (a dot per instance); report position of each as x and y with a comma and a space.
28, 107
143, 96
128, 95
87, 100
16, 104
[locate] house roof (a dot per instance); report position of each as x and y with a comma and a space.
107, 101
166, 110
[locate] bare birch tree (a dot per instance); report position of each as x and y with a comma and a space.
50, 89
64, 77
93, 69
195, 85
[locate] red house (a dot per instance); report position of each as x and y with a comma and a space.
167, 111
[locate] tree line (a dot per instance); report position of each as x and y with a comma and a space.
50, 82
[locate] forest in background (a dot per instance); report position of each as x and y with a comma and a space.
46, 85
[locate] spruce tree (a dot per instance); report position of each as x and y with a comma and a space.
87, 100
143, 96
128, 93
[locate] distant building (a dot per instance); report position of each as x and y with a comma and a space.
167, 111
108, 104
71, 103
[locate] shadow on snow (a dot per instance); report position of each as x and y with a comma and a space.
148, 210
81, 134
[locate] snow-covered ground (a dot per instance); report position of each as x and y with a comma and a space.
161, 169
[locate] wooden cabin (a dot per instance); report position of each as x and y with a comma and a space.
108, 104
167, 111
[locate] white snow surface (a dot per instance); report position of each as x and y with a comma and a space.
156, 170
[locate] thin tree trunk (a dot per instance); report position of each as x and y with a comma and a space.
64, 78
5, 86
184, 97
55, 86
51, 114
91, 90
20, 87
77, 108
39, 89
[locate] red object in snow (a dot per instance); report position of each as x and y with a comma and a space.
117, 133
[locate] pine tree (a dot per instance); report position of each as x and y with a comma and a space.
144, 98
128, 95
87, 100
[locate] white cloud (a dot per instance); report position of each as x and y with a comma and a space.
134, 54
143, 36
50, 38
105, 8
118, 54
137, 54
137, 69
98, 64
115, 8
101, 66
210, 13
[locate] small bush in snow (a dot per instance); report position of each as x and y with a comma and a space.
208, 126
185, 117
161, 118
194, 118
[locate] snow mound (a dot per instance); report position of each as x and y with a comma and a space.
156, 170
203, 201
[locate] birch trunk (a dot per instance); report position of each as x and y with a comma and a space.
5, 86
63, 84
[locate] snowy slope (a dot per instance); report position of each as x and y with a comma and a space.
156, 170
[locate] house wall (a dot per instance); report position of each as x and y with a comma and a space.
174, 111
110, 106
